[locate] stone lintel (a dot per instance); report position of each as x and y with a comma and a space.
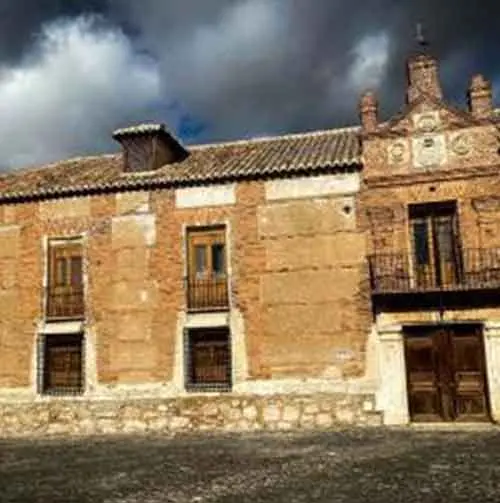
61, 327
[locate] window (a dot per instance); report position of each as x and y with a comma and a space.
436, 245
65, 280
208, 359
62, 364
207, 275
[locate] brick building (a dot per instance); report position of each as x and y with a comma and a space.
342, 275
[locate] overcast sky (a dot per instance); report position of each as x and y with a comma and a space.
71, 71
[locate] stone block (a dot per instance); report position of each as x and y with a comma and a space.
312, 186
9, 241
199, 197
134, 326
70, 207
250, 412
271, 413
368, 406
209, 409
345, 416
291, 413
132, 356
324, 420
135, 231
312, 408
130, 264
133, 425
9, 214
309, 287
59, 429
132, 295
179, 423
106, 426
295, 320
318, 251
8, 273
234, 414
307, 421
316, 216
132, 202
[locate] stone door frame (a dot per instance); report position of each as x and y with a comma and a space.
392, 396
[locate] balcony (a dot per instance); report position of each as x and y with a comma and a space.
476, 270
67, 304
207, 294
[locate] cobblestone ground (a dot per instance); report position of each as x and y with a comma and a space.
355, 465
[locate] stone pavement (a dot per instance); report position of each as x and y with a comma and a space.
353, 465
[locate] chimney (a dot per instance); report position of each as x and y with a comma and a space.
147, 147
480, 97
423, 76
368, 111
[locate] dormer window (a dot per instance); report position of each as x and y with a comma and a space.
148, 147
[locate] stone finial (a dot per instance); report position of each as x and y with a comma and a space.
480, 97
423, 77
368, 111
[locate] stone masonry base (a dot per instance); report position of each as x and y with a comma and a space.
186, 414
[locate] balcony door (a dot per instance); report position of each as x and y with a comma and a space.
65, 286
435, 245
207, 279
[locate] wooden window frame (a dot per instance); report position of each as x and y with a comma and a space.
65, 300
431, 214
208, 237
208, 290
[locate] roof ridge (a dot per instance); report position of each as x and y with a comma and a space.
33, 168
263, 139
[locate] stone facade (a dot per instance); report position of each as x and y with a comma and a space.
431, 154
309, 348
182, 415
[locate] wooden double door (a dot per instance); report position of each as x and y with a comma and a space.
446, 374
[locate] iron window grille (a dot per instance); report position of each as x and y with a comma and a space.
208, 359
61, 364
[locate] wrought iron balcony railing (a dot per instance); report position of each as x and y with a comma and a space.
475, 269
65, 304
207, 293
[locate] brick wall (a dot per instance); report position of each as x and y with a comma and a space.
298, 280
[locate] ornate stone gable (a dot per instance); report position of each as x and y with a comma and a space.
430, 135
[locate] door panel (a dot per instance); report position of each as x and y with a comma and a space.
446, 374
469, 376
423, 386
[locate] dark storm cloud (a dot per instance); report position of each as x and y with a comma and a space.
299, 77
20, 21
221, 69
